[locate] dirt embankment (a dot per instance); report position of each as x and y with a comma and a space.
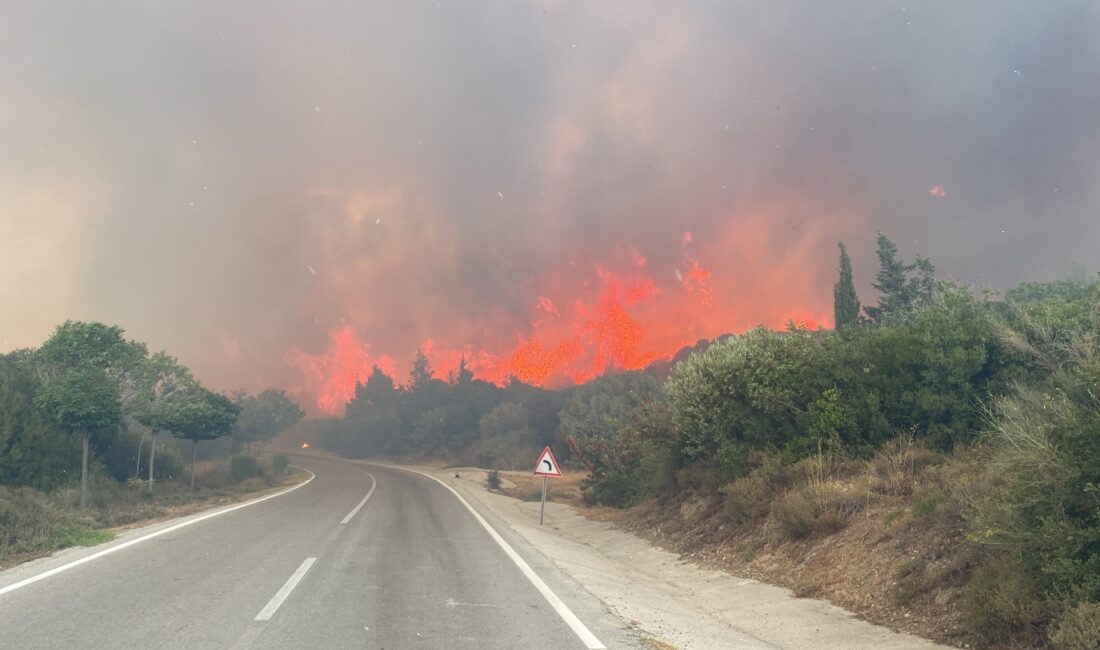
886, 565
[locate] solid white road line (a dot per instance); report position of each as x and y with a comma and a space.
373, 484
273, 605
119, 547
567, 615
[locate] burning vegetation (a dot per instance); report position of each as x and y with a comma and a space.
613, 318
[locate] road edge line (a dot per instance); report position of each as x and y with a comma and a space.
580, 629
118, 547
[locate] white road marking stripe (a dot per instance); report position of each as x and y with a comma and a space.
277, 600
113, 549
567, 615
373, 484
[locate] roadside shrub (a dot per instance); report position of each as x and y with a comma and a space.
243, 467
897, 464
1003, 603
1078, 628
492, 479
253, 484
215, 477
815, 508
749, 498
279, 464
24, 516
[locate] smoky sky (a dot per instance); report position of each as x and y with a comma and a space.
230, 181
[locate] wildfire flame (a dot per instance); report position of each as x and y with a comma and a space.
617, 317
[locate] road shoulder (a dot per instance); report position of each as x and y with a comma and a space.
670, 599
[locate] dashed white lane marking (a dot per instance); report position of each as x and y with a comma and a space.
373, 484
107, 551
276, 601
590, 641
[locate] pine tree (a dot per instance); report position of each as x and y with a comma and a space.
891, 282
923, 286
422, 371
845, 300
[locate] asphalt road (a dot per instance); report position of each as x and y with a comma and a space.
321, 566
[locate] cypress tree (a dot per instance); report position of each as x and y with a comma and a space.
845, 300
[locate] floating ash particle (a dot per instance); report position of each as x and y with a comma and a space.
937, 191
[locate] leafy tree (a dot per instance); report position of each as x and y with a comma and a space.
201, 414
82, 401
601, 407
163, 380
75, 358
265, 416
845, 301
506, 439
80, 345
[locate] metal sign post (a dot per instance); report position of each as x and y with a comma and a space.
542, 508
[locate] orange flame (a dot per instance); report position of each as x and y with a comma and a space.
616, 318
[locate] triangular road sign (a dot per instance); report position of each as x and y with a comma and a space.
547, 465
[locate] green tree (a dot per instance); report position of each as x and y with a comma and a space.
265, 416
163, 381
82, 401
600, 408
33, 451
75, 357
845, 300
201, 414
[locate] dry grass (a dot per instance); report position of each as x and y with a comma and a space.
829, 530
897, 466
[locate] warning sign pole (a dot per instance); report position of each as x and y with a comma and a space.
542, 507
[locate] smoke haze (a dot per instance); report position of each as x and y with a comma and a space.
287, 193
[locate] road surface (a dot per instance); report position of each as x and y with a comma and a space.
361, 556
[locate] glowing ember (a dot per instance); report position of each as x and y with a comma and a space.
937, 191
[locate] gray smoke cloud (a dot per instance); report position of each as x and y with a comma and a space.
232, 181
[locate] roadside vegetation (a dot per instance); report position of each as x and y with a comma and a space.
80, 443
933, 462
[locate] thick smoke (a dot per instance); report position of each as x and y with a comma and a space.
236, 182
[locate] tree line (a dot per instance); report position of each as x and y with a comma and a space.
90, 394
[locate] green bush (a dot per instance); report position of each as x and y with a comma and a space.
279, 464
242, 468
492, 480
